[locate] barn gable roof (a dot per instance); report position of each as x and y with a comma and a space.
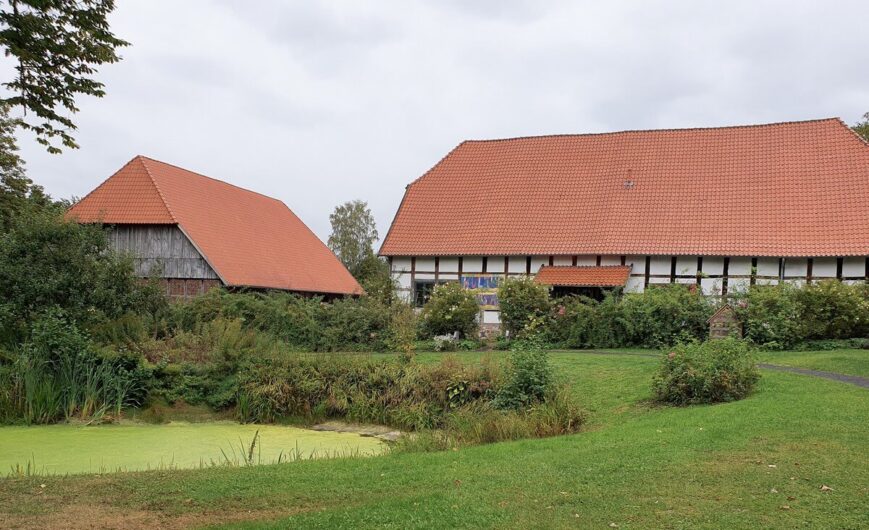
783, 189
249, 239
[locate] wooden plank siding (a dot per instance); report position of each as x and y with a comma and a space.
161, 250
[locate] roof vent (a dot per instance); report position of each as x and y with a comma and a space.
629, 184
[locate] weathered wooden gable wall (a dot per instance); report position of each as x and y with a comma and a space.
160, 248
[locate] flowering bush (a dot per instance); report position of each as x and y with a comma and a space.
708, 372
450, 309
521, 302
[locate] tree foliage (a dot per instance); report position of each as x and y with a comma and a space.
48, 263
862, 127
353, 235
57, 44
17, 192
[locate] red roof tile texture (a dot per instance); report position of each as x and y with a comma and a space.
602, 276
786, 189
249, 239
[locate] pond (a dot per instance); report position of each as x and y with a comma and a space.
71, 449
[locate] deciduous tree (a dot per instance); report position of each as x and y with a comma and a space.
57, 44
353, 235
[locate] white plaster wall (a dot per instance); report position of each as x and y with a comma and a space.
472, 264
562, 260
766, 281
583, 261
659, 280
796, 267
854, 267
403, 279
517, 264
425, 264
739, 266
425, 275
636, 284
610, 260
449, 265
710, 286
686, 265
824, 268
767, 267
495, 264
637, 262
400, 264
738, 285
713, 265
660, 265
537, 262
446, 276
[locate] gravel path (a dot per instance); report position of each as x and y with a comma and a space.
850, 379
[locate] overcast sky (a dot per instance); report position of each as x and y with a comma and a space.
316, 103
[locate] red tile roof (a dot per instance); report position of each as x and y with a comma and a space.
601, 276
247, 238
785, 189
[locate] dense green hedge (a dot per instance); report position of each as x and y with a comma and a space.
784, 316
660, 316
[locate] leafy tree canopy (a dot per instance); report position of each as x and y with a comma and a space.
57, 44
353, 235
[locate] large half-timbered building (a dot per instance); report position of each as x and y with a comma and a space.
722, 208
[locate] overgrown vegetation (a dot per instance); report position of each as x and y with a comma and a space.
708, 372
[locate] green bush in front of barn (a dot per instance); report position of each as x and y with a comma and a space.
521, 302
783, 316
706, 372
451, 309
658, 317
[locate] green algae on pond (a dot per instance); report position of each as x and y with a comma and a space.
71, 449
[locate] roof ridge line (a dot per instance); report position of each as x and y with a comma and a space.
159, 191
209, 178
669, 129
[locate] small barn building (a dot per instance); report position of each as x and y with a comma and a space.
195, 232
721, 208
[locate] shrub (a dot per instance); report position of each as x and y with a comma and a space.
529, 376
482, 422
521, 301
401, 336
450, 309
665, 315
771, 315
708, 372
831, 309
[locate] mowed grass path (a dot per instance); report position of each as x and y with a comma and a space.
848, 362
757, 463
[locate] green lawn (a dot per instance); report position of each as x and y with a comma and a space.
757, 463
849, 362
